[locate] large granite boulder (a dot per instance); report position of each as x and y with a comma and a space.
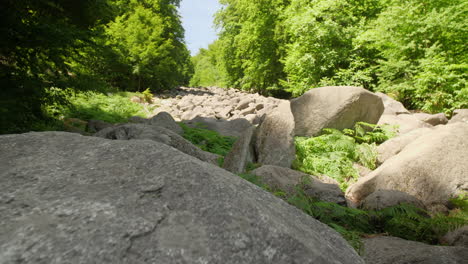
405, 123
432, 168
232, 128
158, 134
337, 107
459, 115
241, 154
392, 106
433, 120
274, 138
72, 199
394, 145
382, 199
164, 119
287, 180
393, 250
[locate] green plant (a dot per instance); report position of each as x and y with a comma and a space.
370, 133
208, 140
147, 95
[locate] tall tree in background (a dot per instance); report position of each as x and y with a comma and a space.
249, 40
38, 38
148, 37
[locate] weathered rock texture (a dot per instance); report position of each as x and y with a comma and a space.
274, 138
392, 250
432, 168
394, 145
241, 154
381, 199
158, 134
433, 120
392, 107
72, 199
457, 237
405, 123
284, 179
337, 107
459, 115
232, 128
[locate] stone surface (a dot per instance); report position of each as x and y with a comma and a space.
459, 115
457, 237
158, 134
405, 123
394, 145
392, 250
432, 168
72, 199
433, 120
337, 107
274, 140
232, 128
94, 126
164, 119
284, 179
241, 153
381, 199
392, 106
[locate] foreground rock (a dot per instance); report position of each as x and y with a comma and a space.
241, 154
432, 168
158, 134
72, 199
337, 107
274, 138
392, 250
284, 179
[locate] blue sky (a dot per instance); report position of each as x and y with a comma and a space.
197, 19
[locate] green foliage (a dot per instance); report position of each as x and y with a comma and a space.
370, 133
208, 140
208, 71
112, 108
404, 221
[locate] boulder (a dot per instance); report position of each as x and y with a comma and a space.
274, 140
241, 153
457, 237
381, 199
405, 123
164, 119
459, 115
432, 168
94, 126
232, 128
337, 107
393, 250
158, 134
433, 120
392, 106
394, 145
284, 179
72, 199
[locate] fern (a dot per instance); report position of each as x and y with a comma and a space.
208, 140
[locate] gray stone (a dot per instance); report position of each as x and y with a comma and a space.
287, 180
433, 120
459, 115
457, 237
233, 128
274, 140
336, 107
405, 123
244, 103
158, 134
381, 199
73, 199
241, 153
137, 119
394, 145
94, 126
432, 168
247, 111
392, 250
392, 106
164, 119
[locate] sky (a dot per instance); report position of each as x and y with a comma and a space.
197, 20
